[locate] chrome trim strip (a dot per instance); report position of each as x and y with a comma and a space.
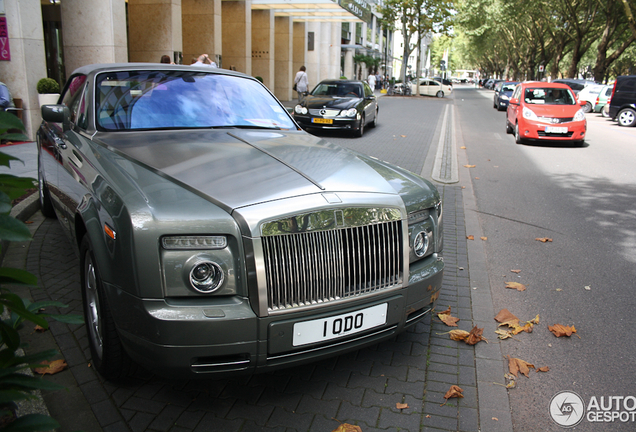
329, 219
231, 363
418, 316
378, 333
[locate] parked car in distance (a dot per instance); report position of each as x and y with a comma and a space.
503, 91
575, 84
217, 237
490, 84
589, 94
430, 87
622, 106
602, 100
347, 105
545, 111
444, 81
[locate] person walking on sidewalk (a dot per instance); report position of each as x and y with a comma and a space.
301, 82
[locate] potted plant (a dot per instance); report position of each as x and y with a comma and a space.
48, 91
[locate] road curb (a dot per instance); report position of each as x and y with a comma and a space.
494, 403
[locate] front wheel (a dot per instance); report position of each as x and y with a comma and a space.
518, 138
360, 131
107, 353
508, 126
626, 117
440, 94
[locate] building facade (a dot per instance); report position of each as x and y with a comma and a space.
271, 40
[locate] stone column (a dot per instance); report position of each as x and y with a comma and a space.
348, 63
28, 62
237, 35
201, 29
300, 54
284, 68
94, 31
374, 23
263, 46
313, 57
335, 50
154, 28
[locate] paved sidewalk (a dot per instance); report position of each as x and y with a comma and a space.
362, 387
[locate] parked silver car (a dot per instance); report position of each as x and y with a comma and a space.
215, 236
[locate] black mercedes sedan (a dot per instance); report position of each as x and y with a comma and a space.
338, 104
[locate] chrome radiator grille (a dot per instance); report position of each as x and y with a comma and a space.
322, 266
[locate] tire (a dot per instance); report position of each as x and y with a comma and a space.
374, 123
107, 351
440, 94
605, 111
46, 205
518, 138
360, 131
494, 105
587, 108
626, 117
508, 126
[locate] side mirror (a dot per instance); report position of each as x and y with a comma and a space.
514, 101
57, 114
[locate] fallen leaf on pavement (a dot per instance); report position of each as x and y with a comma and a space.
560, 330
470, 237
428, 416
346, 427
505, 317
403, 136
401, 405
495, 419
458, 335
516, 271
503, 334
535, 320
453, 392
543, 369
463, 147
39, 329
52, 367
447, 318
475, 335
484, 238
543, 239
516, 365
470, 166
516, 285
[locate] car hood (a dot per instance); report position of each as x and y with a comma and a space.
236, 168
341, 103
554, 110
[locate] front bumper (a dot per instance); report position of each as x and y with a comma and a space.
537, 131
225, 337
337, 123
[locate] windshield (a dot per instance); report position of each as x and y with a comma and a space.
134, 100
549, 96
352, 90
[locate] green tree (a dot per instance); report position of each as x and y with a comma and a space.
416, 18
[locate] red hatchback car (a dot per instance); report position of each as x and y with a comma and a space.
545, 111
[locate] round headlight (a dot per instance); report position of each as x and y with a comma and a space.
206, 277
420, 244
351, 112
299, 109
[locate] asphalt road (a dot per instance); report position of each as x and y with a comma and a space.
582, 199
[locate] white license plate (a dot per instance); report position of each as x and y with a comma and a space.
556, 129
324, 329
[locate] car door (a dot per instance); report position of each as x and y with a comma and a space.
70, 142
514, 106
369, 103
